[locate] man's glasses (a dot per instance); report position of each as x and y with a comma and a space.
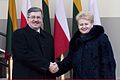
34, 17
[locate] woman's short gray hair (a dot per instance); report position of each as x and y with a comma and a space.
85, 15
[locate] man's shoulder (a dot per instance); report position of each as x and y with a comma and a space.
46, 33
19, 31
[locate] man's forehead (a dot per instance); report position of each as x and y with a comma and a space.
35, 13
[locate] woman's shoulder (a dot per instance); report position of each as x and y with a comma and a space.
103, 39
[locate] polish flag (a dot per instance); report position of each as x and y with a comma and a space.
25, 6
61, 30
93, 8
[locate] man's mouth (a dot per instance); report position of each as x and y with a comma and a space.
36, 22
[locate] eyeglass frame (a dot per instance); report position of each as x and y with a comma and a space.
33, 17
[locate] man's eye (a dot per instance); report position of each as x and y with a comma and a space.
33, 17
38, 17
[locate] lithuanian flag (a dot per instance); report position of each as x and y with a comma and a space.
77, 7
11, 27
46, 18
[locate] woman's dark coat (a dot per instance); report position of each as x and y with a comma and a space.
32, 54
90, 55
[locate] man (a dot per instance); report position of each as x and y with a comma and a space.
33, 49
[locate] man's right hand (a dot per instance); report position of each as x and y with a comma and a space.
53, 68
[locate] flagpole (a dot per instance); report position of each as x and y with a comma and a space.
62, 76
7, 73
11, 67
8, 70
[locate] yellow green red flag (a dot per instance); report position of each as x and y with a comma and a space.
77, 7
11, 27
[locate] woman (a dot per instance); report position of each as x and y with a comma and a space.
90, 53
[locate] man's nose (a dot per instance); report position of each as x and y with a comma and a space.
35, 19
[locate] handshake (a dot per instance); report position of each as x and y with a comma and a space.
53, 68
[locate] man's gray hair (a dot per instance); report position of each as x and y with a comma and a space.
34, 9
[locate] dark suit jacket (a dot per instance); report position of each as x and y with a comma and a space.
32, 54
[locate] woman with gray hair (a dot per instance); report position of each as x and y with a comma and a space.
90, 52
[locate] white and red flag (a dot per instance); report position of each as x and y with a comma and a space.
61, 30
26, 4
93, 8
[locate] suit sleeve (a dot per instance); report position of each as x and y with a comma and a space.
107, 61
22, 54
66, 64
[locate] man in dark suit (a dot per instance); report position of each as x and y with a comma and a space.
33, 49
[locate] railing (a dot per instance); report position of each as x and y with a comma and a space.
2, 34
3, 63
2, 51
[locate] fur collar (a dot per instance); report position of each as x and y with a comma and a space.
79, 38
94, 32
